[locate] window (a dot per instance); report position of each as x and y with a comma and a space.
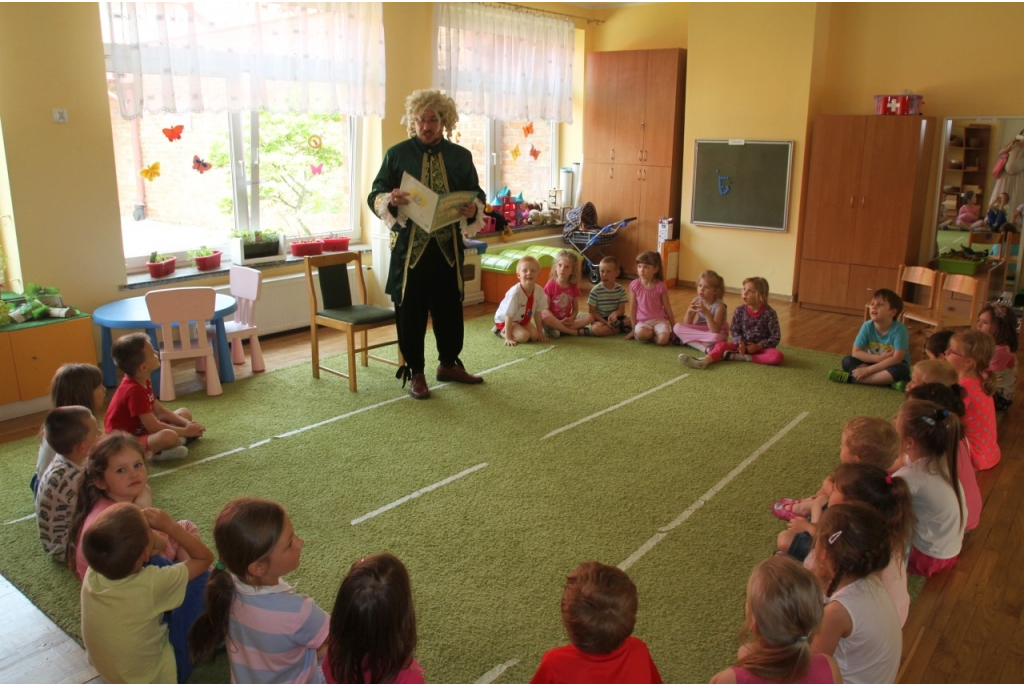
532, 171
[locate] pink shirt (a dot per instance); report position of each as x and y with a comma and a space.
819, 672
81, 565
648, 300
413, 675
560, 299
980, 425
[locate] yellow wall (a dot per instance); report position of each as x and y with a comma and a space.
749, 72
63, 187
649, 26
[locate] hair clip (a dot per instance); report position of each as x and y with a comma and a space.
888, 480
834, 536
929, 420
219, 565
799, 638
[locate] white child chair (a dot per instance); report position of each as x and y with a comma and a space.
188, 310
246, 285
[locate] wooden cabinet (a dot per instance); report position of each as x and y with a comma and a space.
965, 167
632, 138
30, 356
864, 206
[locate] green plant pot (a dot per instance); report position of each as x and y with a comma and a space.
256, 250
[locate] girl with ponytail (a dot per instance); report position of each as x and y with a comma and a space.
970, 353
783, 614
929, 436
860, 627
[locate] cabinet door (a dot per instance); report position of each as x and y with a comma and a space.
631, 93
663, 113
8, 375
655, 203
830, 214
824, 283
864, 281
38, 352
600, 106
619, 198
886, 197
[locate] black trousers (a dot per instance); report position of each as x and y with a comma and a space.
432, 289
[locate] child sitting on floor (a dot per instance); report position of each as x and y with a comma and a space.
704, 325
607, 301
865, 440
599, 611
970, 353
755, 332
881, 351
937, 343
71, 431
649, 305
561, 316
518, 318
1000, 322
123, 602
73, 385
783, 614
134, 408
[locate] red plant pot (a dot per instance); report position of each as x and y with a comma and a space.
209, 262
336, 244
309, 249
162, 269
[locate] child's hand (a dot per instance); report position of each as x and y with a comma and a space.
159, 519
742, 347
630, 336
194, 430
510, 341
543, 338
800, 525
860, 372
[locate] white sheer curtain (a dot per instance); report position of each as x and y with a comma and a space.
503, 63
324, 58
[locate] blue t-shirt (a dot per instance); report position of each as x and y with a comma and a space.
896, 338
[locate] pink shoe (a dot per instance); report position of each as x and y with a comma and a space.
783, 509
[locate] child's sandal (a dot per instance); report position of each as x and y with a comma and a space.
783, 509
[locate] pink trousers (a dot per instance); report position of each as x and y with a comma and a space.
698, 337
769, 356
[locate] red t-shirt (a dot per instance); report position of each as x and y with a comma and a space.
130, 401
630, 663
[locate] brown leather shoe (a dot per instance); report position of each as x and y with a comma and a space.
419, 389
457, 374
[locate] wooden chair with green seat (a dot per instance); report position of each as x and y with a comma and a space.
341, 313
919, 276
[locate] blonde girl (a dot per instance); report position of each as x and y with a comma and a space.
755, 332
929, 437
72, 385
272, 634
649, 306
562, 315
783, 614
704, 325
970, 353
1000, 322
860, 627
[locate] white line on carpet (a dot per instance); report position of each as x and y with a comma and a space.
493, 674
403, 500
304, 429
714, 490
613, 407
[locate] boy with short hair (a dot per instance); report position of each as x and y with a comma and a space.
599, 611
937, 343
70, 431
134, 408
881, 351
867, 440
123, 602
518, 318
607, 301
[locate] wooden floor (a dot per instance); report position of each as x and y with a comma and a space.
967, 626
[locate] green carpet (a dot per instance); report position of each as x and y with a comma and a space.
488, 552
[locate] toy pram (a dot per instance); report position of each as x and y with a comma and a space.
587, 237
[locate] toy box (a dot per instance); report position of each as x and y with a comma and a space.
898, 104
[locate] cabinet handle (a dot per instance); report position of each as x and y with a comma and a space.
852, 198
645, 174
863, 200
611, 172
613, 153
639, 155
645, 155
638, 174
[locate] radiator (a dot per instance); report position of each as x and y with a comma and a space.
284, 304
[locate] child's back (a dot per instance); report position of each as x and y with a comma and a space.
630, 663
871, 653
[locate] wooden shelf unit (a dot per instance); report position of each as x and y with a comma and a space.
965, 166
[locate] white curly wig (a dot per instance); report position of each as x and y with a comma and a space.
435, 100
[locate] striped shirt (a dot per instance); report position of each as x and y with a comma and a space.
274, 634
606, 300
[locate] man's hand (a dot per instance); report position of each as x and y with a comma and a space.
398, 197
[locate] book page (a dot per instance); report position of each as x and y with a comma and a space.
429, 210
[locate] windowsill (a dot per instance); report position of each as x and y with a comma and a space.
138, 281
518, 233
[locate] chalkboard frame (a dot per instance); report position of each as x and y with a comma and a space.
698, 214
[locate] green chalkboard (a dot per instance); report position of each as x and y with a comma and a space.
742, 183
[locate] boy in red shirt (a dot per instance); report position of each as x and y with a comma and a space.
599, 612
134, 408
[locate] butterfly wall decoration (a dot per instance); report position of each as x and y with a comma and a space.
528, 129
200, 165
150, 172
174, 132
515, 152
317, 169
534, 152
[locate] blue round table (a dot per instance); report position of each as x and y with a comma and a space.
133, 313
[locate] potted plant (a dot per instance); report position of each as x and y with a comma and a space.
334, 243
254, 247
161, 265
305, 247
205, 258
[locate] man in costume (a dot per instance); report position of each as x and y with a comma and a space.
425, 274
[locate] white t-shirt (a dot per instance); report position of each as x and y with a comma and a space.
871, 652
939, 532
514, 303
